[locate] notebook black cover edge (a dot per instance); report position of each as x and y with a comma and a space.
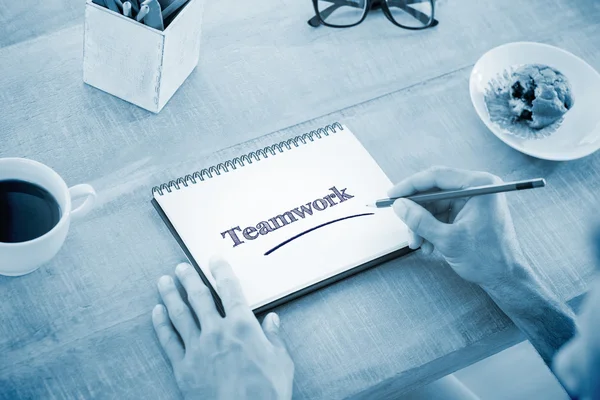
292, 296
333, 279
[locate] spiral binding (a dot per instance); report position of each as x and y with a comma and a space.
234, 163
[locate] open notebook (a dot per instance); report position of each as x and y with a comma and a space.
290, 218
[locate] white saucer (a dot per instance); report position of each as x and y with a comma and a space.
579, 133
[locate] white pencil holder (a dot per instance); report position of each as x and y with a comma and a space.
136, 63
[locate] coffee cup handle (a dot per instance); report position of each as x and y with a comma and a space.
85, 207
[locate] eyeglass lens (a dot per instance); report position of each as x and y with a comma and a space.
407, 13
341, 12
411, 13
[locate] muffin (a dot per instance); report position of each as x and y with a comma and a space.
530, 101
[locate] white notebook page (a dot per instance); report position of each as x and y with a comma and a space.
207, 213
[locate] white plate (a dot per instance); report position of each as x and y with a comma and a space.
579, 133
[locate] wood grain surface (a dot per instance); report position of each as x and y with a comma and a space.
79, 327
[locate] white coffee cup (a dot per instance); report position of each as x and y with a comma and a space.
24, 257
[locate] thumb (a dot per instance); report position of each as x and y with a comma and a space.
270, 326
421, 221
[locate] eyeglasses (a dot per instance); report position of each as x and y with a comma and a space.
408, 14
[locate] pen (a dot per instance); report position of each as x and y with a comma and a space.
468, 192
143, 11
154, 18
127, 9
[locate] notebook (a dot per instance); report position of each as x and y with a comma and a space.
290, 218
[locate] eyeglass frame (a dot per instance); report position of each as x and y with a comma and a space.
317, 20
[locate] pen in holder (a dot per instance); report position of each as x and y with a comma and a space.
135, 62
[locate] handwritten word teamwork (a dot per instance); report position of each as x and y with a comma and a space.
288, 217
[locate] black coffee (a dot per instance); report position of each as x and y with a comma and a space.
27, 211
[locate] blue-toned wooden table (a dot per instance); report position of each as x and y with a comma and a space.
80, 326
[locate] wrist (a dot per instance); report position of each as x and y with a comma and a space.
545, 320
517, 280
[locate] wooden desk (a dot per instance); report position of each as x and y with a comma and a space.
80, 326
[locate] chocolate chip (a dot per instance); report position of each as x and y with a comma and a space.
529, 94
517, 90
527, 115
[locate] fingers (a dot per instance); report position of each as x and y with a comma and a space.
270, 327
441, 210
457, 206
179, 313
441, 178
427, 248
199, 295
438, 208
420, 219
169, 341
414, 240
421, 222
228, 286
